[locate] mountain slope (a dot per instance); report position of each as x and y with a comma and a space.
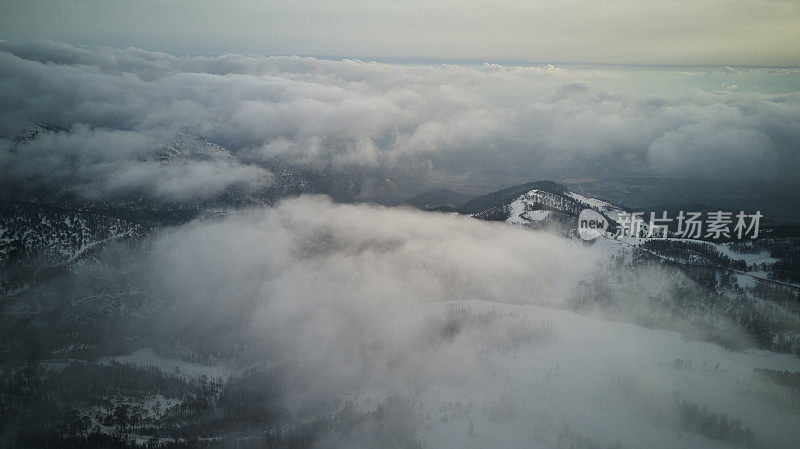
505, 196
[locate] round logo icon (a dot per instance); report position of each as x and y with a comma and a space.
591, 224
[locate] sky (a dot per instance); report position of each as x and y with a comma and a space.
665, 32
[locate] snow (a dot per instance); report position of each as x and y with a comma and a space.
592, 202
516, 209
537, 215
568, 379
749, 258
146, 406
745, 281
520, 214
187, 146
522, 211
566, 382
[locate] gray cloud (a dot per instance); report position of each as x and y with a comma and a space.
434, 124
348, 290
367, 301
107, 164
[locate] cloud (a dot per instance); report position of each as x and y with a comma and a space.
351, 297
711, 150
112, 164
363, 301
328, 283
490, 125
183, 182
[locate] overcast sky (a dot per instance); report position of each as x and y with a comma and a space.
695, 32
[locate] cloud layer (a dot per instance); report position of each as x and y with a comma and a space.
474, 127
360, 301
348, 290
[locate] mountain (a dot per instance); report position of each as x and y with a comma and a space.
506, 196
32, 132
736, 279
42, 233
188, 147
534, 202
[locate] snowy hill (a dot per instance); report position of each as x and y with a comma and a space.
576, 382
189, 147
754, 283
495, 201
533, 203
58, 235
550, 202
34, 131
50, 229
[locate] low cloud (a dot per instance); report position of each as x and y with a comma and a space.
359, 302
483, 127
349, 289
114, 164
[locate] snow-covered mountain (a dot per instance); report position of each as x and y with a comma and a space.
49, 229
32, 132
539, 203
746, 281
550, 203
59, 235
186, 147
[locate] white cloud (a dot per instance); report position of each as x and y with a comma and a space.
352, 300
345, 288
521, 122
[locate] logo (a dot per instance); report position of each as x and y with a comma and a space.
687, 225
591, 224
